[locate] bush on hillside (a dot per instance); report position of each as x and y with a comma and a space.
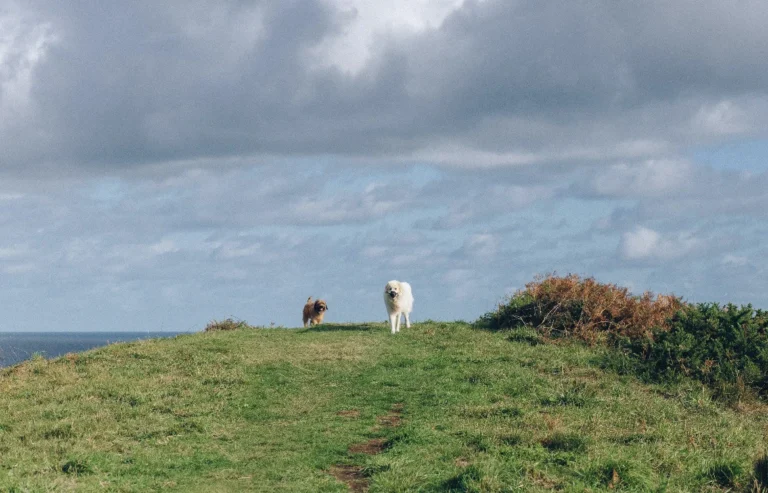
724, 347
228, 324
660, 338
582, 308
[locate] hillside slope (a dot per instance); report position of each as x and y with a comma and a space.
439, 407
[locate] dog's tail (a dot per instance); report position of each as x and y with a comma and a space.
309, 299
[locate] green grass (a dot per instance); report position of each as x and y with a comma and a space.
275, 410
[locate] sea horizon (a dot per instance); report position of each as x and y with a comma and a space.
18, 346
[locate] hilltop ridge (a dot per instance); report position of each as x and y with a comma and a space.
287, 410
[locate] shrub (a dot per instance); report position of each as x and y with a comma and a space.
660, 338
582, 308
724, 347
228, 324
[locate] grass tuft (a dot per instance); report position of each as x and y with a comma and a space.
59, 432
76, 467
726, 474
467, 480
621, 475
227, 324
760, 469
578, 395
565, 442
527, 335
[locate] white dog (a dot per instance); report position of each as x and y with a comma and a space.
399, 300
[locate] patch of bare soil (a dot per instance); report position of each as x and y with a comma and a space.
349, 413
393, 418
371, 447
461, 462
353, 476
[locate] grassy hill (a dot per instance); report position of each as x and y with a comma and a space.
439, 407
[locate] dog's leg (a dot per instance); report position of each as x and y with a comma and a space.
392, 322
407, 320
397, 323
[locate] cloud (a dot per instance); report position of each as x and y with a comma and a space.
206, 244
734, 260
368, 23
647, 244
23, 46
236, 157
485, 198
482, 247
722, 118
469, 84
651, 178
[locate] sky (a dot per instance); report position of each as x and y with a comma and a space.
166, 164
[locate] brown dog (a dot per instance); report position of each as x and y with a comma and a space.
314, 312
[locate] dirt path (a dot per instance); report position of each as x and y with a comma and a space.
353, 476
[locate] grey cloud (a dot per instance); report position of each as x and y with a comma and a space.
139, 82
488, 195
576, 60
122, 84
587, 64
676, 191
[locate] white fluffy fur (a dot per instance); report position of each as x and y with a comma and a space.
399, 301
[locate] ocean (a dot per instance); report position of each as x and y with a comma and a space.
19, 346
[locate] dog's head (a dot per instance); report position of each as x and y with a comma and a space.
392, 289
321, 306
